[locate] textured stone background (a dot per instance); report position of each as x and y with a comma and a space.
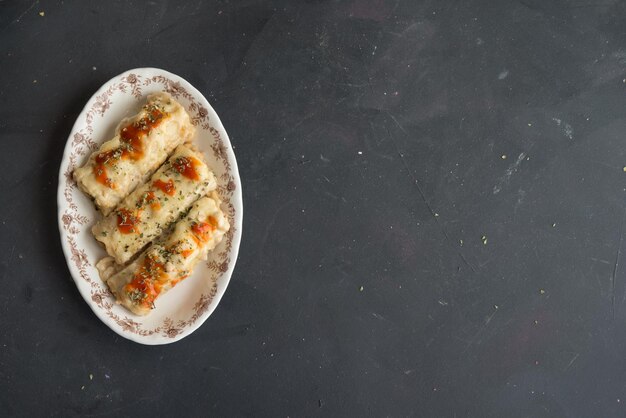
434, 208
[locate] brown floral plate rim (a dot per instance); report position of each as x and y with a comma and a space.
76, 213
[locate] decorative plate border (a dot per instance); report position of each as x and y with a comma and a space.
72, 222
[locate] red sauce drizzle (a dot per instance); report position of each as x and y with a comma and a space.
165, 187
187, 167
145, 286
202, 230
131, 147
153, 201
178, 279
127, 221
148, 198
100, 170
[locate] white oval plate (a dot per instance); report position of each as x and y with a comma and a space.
183, 309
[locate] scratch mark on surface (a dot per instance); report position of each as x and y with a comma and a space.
304, 119
599, 285
521, 194
378, 316
619, 252
484, 263
488, 320
478, 333
350, 84
568, 131
129, 406
20, 16
423, 198
11, 255
612, 167
333, 196
620, 56
567, 128
25, 11
270, 225
397, 123
9, 261
508, 173
406, 30
599, 260
369, 79
571, 361
592, 5
586, 279
536, 254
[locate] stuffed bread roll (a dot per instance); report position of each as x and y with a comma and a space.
145, 213
140, 145
167, 261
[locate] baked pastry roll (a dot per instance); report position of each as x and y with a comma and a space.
140, 145
145, 213
168, 261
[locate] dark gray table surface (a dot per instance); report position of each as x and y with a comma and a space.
434, 209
